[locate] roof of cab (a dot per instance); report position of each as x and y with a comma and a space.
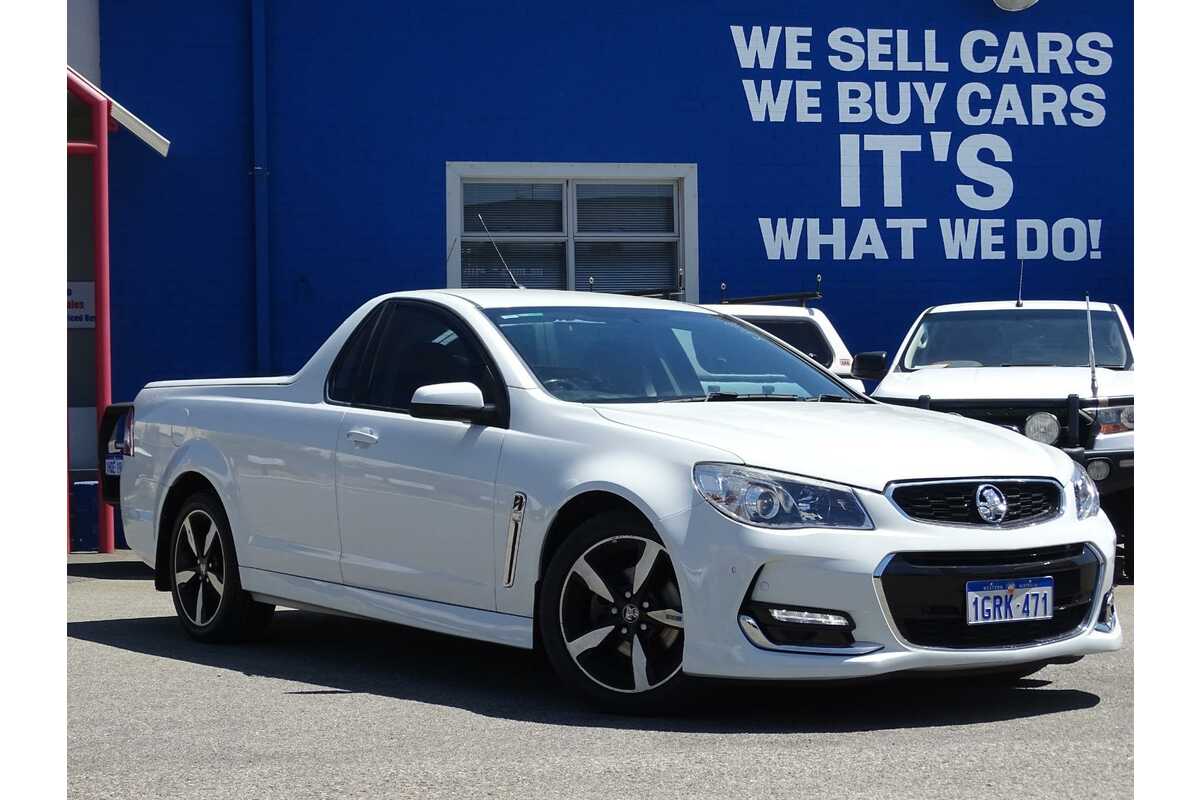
766, 310
521, 298
993, 305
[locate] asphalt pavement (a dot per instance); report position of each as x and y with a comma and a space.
331, 707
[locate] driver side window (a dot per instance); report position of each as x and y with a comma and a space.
417, 346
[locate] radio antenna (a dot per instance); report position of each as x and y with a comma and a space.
511, 277
1091, 345
1020, 283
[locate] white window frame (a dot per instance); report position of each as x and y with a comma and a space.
569, 174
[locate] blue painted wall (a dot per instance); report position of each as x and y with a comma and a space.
368, 100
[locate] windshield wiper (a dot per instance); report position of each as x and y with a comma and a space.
702, 398
729, 397
831, 398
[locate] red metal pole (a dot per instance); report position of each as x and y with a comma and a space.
103, 345
100, 117
74, 149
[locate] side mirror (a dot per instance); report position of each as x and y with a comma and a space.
463, 401
870, 366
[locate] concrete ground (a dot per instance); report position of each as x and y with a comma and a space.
333, 707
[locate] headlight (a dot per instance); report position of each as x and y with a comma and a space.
1087, 496
1042, 426
1115, 419
774, 500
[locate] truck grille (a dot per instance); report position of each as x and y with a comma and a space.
926, 594
954, 501
1013, 416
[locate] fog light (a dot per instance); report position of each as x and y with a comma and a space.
1042, 426
1099, 469
800, 617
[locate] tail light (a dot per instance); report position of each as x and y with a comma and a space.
127, 439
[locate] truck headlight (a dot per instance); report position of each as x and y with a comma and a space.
776, 500
1042, 426
1087, 496
1115, 419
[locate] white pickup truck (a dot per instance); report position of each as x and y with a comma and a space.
645, 489
1039, 368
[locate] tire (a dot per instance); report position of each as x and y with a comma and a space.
1127, 553
611, 618
205, 584
1119, 508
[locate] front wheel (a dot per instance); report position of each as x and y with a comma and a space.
209, 599
611, 617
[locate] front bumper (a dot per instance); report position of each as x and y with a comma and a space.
722, 564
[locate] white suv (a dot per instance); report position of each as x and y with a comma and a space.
645, 489
806, 329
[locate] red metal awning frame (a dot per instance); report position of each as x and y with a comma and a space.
97, 150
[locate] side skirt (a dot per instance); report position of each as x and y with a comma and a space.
335, 598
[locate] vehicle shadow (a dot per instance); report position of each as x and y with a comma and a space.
341, 656
110, 570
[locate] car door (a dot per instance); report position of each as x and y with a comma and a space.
416, 496
284, 455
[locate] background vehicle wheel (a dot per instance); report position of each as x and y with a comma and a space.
1127, 553
205, 586
1119, 508
611, 618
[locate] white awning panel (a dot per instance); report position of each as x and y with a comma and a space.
129, 121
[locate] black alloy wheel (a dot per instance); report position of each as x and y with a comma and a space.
205, 583
199, 568
611, 615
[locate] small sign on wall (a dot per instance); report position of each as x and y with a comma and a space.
81, 304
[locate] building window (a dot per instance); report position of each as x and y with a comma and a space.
607, 228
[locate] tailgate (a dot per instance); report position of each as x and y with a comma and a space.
111, 443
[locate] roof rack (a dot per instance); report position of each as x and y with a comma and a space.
666, 294
803, 298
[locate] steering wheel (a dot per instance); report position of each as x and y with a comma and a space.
554, 385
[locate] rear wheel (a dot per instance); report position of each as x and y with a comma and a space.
611, 616
208, 594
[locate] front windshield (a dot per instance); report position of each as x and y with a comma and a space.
648, 355
1017, 337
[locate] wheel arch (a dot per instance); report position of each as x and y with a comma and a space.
196, 467
584, 504
187, 484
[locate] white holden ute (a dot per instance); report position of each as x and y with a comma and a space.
648, 491
1039, 368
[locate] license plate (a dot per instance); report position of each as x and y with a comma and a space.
1009, 601
112, 465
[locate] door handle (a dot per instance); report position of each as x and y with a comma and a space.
363, 436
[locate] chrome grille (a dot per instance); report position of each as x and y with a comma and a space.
953, 502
